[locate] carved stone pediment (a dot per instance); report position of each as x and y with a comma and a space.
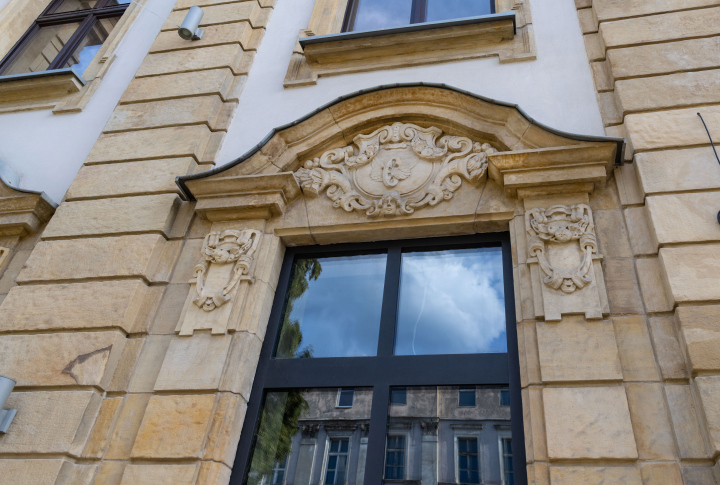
395, 170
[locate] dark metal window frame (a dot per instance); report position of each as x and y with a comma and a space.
418, 13
386, 370
87, 19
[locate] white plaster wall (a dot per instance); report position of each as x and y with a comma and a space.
47, 150
556, 89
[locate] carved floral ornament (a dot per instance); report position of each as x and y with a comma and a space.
221, 248
561, 224
395, 170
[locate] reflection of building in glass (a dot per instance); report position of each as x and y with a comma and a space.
434, 437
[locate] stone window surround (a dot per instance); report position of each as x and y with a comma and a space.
58, 90
340, 55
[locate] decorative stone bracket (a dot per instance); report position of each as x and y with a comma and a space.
23, 212
564, 262
226, 261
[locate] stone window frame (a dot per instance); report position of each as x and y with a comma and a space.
502, 436
329, 436
337, 402
506, 34
466, 432
61, 91
406, 432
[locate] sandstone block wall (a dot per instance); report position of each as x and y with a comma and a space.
655, 66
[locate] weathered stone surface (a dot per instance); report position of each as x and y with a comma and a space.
76, 474
222, 56
194, 363
693, 272
171, 306
696, 475
176, 474
126, 365
652, 285
29, 471
189, 257
125, 304
663, 27
128, 423
678, 170
212, 472
679, 218
588, 423
101, 258
665, 473
10, 272
224, 432
150, 213
622, 287
178, 141
233, 33
611, 233
642, 239
700, 326
130, 178
174, 427
100, 435
48, 421
626, 178
709, 389
667, 347
221, 82
171, 112
148, 366
636, 353
576, 350
649, 415
673, 90
241, 365
62, 359
686, 422
576, 475
671, 129
614, 9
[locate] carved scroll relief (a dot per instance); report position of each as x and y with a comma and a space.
563, 255
226, 260
395, 170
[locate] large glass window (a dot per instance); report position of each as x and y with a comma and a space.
371, 374
67, 34
365, 15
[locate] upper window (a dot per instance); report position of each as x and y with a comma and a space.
67, 34
384, 14
378, 358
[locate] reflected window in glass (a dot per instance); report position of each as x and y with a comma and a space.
368, 15
395, 458
345, 397
466, 396
468, 465
67, 34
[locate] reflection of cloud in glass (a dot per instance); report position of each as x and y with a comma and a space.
451, 302
339, 313
382, 14
457, 9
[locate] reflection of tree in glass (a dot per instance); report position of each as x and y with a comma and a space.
304, 270
281, 411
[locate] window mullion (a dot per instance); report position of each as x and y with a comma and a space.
376, 438
419, 11
388, 315
72, 43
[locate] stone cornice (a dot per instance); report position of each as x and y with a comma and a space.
244, 197
23, 212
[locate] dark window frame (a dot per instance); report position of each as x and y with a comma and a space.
385, 370
87, 19
418, 13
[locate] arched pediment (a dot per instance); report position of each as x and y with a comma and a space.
400, 151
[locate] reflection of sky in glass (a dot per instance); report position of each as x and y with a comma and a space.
451, 302
456, 9
382, 14
339, 313
85, 56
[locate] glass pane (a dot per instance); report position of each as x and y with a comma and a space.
74, 5
42, 49
90, 44
433, 440
112, 3
345, 398
304, 435
457, 9
332, 308
451, 302
381, 14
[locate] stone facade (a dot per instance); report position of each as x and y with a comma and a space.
133, 317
